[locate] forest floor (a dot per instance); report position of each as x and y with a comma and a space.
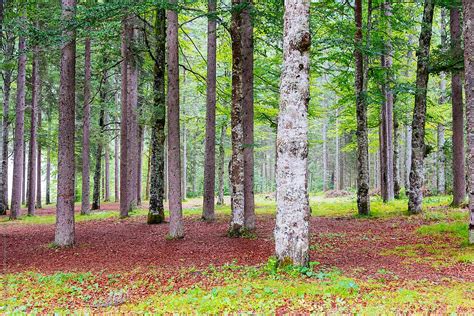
386, 263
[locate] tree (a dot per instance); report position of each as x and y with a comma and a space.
236, 168
174, 161
32, 155
292, 222
386, 128
65, 205
210, 152
415, 193
469, 82
124, 135
18, 146
248, 114
459, 174
363, 198
86, 123
156, 212
441, 157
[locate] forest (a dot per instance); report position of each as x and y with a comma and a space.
237, 156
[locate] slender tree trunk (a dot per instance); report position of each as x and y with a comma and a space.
236, 170
396, 157
156, 213
116, 160
220, 167
459, 174
107, 174
415, 194
292, 222
85, 205
38, 166
363, 198
7, 80
386, 144
208, 212
24, 186
18, 149
174, 161
184, 174
32, 154
98, 161
147, 188
336, 156
325, 155
469, 81
65, 205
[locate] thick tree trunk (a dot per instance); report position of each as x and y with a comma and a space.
124, 122
459, 174
248, 115
174, 161
32, 154
156, 213
363, 198
292, 221
18, 149
469, 81
236, 170
415, 193
220, 167
65, 205
85, 205
386, 130
210, 151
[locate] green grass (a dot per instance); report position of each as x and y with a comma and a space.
229, 289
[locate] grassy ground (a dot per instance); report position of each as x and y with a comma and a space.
266, 288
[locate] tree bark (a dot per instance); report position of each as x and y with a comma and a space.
236, 170
415, 193
363, 198
65, 205
325, 154
98, 161
396, 158
386, 144
38, 165
292, 221
124, 164
208, 211
85, 205
469, 82
248, 115
18, 149
7, 80
156, 213
459, 174
174, 161
139, 165
32, 154
107, 173
220, 167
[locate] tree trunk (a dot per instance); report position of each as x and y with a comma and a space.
18, 149
236, 170
469, 81
7, 80
85, 205
116, 160
396, 158
174, 161
363, 198
292, 221
98, 161
107, 173
124, 163
208, 212
459, 174
325, 154
38, 166
184, 174
248, 115
48, 176
32, 154
415, 193
386, 144
220, 167
147, 187
65, 205
156, 212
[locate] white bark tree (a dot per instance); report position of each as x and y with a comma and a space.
292, 222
